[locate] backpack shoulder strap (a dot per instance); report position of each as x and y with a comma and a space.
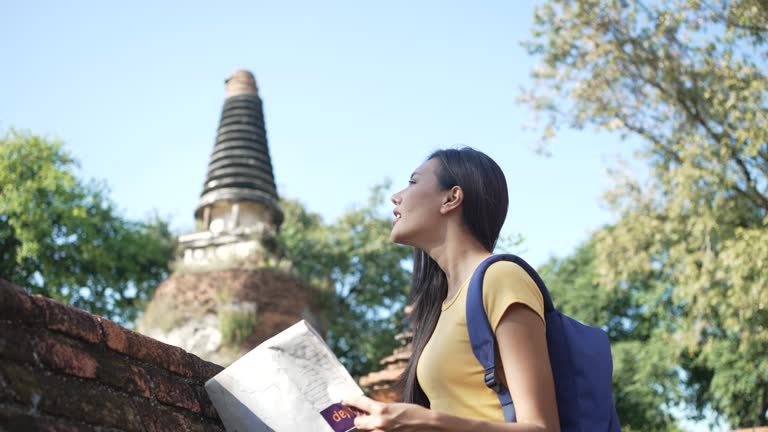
480, 333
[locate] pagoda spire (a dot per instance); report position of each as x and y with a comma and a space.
240, 168
230, 288
238, 214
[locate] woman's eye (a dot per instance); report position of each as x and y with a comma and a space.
411, 182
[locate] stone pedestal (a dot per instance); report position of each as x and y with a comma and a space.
239, 247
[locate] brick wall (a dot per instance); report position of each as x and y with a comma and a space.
64, 369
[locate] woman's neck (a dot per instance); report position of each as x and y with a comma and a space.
458, 256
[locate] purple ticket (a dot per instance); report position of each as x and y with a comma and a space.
341, 417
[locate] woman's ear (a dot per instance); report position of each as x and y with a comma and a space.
452, 199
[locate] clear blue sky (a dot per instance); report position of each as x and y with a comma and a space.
354, 92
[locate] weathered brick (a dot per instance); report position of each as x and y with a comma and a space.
46, 424
173, 391
157, 353
15, 343
204, 370
93, 404
23, 383
5, 391
206, 406
90, 361
115, 336
87, 401
155, 418
147, 349
68, 320
118, 372
16, 305
195, 425
213, 428
14, 419
68, 356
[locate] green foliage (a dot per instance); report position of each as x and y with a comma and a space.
688, 79
237, 319
237, 322
63, 238
360, 275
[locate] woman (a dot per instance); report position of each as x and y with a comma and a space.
451, 212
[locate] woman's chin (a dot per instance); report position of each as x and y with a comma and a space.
393, 237
402, 242
396, 237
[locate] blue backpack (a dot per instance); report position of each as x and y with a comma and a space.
580, 357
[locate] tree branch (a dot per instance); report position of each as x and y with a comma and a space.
677, 95
728, 21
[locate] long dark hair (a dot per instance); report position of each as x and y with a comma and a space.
484, 209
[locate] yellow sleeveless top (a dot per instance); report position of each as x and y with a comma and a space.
447, 370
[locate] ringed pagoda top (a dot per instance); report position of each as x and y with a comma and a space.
240, 168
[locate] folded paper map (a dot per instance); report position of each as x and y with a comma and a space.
291, 382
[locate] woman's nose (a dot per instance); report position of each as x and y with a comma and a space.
395, 199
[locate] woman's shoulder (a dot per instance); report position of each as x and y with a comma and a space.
506, 282
506, 271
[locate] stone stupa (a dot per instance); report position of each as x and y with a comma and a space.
238, 212
227, 294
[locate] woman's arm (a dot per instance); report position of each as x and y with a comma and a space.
403, 417
521, 338
522, 342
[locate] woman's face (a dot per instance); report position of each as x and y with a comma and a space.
417, 207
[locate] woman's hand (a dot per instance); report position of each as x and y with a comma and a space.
385, 417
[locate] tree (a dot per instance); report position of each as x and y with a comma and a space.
687, 78
359, 272
573, 285
63, 238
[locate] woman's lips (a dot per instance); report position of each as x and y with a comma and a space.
398, 216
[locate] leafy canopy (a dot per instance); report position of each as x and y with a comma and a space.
63, 238
688, 80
